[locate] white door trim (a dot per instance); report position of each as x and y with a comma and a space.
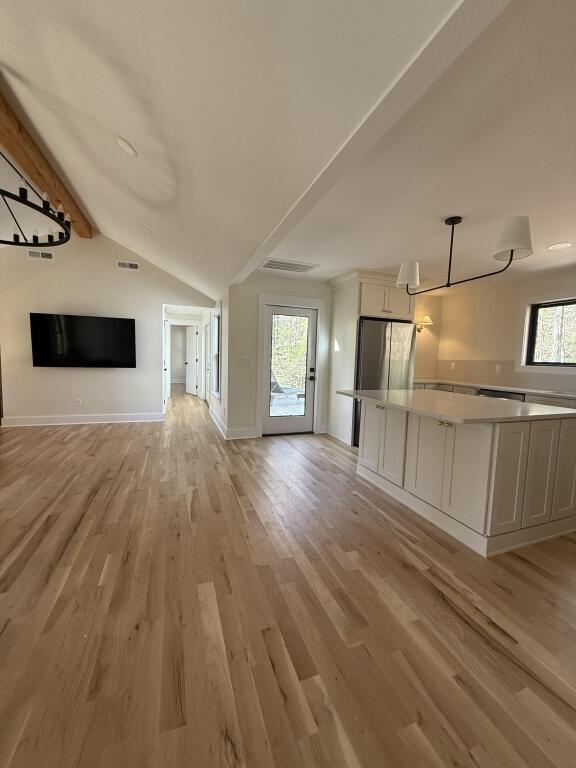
322, 354
207, 359
170, 322
166, 364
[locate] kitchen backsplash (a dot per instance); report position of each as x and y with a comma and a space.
484, 372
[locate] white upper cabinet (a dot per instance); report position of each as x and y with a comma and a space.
385, 301
374, 299
399, 303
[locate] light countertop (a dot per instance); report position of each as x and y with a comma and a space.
458, 409
504, 388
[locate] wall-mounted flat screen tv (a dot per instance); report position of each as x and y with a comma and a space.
79, 341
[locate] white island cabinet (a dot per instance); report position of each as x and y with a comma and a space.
495, 474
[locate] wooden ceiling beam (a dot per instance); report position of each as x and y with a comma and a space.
29, 158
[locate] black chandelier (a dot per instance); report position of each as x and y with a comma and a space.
515, 243
57, 235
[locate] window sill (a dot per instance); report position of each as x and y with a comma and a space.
569, 369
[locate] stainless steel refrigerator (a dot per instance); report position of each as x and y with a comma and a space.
384, 359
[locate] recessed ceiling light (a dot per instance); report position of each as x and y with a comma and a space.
559, 246
126, 146
145, 229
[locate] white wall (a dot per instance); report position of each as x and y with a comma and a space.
428, 340
345, 304
84, 280
240, 396
177, 354
483, 325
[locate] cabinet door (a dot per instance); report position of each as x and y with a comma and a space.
541, 471
369, 436
392, 445
399, 303
508, 477
564, 501
425, 449
464, 390
374, 299
467, 473
559, 402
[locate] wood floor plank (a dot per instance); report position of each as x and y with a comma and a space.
168, 598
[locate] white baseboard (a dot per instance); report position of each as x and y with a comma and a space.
80, 418
241, 433
487, 546
178, 381
506, 542
466, 535
218, 421
340, 440
234, 433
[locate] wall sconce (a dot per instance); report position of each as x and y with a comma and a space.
426, 322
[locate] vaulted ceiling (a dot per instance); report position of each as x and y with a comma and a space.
494, 136
242, 113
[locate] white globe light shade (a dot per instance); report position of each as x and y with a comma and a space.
409, 275
515, 236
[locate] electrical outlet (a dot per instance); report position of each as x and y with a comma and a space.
498, 368
453, 365
78, 402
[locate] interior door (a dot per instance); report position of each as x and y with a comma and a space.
191, 360
166, 369
289, 368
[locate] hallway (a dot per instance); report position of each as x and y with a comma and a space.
169, 599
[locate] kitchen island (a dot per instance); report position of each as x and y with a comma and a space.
495, 474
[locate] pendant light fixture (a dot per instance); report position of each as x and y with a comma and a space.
57, 222
515, 243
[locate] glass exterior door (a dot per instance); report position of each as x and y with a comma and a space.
290, 366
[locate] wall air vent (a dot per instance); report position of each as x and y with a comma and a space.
41, 255
288, 266
133, 265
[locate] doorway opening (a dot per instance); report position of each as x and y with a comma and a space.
186, 352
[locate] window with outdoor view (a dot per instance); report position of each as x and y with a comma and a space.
552, 334
288, 358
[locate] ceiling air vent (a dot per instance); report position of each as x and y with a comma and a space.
133, 265
288, 266
41, 255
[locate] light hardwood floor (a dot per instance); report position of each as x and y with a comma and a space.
172, 600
